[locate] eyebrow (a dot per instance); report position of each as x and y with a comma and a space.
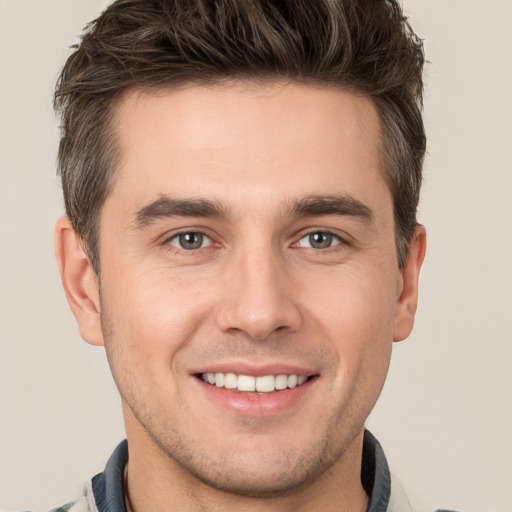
345, 206
310, 206
165, 207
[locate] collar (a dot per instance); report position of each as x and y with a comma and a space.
375, 475
108, 487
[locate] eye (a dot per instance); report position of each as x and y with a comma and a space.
190, 240
319, 240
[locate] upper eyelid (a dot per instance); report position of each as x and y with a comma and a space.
344, 237
340, 239
195, 231
170, 237
328, 231
166, 242
165, 238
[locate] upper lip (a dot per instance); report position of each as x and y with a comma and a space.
255, 370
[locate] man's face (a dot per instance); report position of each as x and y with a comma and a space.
250, 236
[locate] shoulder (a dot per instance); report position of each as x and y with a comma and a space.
83, 503
398, 501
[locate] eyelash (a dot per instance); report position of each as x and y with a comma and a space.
177, 236
332, 236
333, 239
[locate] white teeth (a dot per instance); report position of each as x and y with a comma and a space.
281, 382
248, 383
292, 381
265, 384
230, 381
219, 380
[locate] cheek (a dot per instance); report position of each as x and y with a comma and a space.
355, 311
352, 300
154, 314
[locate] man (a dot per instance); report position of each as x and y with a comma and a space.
241, 182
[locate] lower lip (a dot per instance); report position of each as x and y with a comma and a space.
257, 405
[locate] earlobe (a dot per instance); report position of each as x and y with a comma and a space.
408, 295
79, 280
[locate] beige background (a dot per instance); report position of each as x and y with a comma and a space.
446, 413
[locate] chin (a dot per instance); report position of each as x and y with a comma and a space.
261, 482
262, 473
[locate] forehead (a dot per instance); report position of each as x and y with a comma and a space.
247, 140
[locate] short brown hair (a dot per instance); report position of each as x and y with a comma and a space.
365, 46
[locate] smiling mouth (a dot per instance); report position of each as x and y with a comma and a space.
251, 384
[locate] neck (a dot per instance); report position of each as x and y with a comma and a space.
154, 482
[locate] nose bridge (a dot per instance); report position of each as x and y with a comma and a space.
259, 292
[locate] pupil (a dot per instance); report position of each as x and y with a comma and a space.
320, 240
191, 240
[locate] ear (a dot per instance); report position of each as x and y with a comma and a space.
81, 284
407, 301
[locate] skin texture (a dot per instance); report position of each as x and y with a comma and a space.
254, 294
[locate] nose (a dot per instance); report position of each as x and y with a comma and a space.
259, 296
